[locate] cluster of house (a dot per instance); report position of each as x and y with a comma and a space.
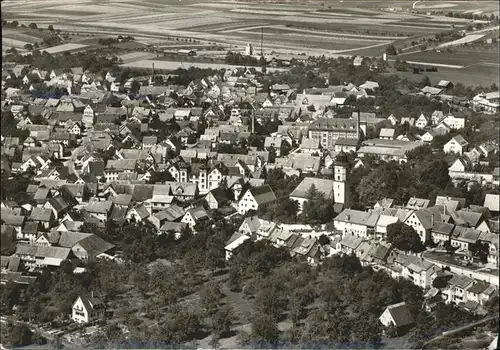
363, 233
97, 155
488, 103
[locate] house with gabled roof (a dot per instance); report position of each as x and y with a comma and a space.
356, 222
456, 145
234, 242
45, 217
398, 316
87, 308
194, 216
216, 198
255, 198
421, 121
423, 220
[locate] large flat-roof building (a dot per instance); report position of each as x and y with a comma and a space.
328, 130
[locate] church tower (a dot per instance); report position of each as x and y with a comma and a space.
340, 179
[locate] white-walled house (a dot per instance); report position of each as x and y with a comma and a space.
397, 315
421, 122
256, 198
456, 145
454, 122
87, 308
356, 222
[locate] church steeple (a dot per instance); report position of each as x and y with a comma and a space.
340, 178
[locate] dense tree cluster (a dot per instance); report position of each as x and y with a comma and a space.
347, 298
404, 237
93, 60
317, 209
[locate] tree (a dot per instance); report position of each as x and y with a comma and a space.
264, 329
449, 248
222, 321
50, 28
367, 330
33, 26
19, 335
425, 82
317, 209
10, 294
480, 250
135, 87
391, 50
404, 237
210, 296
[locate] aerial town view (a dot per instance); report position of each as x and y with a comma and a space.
243, 174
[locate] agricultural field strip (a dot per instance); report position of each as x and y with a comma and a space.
456, 58
64, 47
14, 43
234, 25
436, 64
245, 29
359, 21
362, 12
439, 27
461, 41
19, 36
269, 12
281, 27
278, 41
159, 16
226, 6
322, 37
71, 13
172, 65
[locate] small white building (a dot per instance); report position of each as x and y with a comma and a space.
87, 308
397, 315
456, 145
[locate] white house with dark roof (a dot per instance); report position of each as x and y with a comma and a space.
255, 198
397, 315
456, 145
421, 121
423, 220
356, 222
87, 308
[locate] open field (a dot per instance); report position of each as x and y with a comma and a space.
330, 28
233, 23
462, 58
